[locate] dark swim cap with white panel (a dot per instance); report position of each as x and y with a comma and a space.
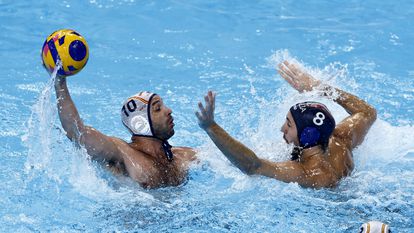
314, 123
136, 116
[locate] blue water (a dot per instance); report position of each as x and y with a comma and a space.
181, 49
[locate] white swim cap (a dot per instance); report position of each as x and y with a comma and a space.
135, 114
375, 227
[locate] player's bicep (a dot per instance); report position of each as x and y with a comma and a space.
98, 145
289, 171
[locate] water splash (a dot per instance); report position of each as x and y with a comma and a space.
44, 142
38, 137
52, 157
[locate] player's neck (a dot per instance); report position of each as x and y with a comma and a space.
148, 145
312, 151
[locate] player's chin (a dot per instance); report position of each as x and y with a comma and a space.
170, 133
284, 137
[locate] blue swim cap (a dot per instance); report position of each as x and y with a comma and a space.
314, 123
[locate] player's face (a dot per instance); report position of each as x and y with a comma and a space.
289, 130
162, 120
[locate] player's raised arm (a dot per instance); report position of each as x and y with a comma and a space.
68, 50
241, 156
362, 115
97, 144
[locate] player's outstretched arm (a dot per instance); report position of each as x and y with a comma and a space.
241, 156
98, 145
247, 161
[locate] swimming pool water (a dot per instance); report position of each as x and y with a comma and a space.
181, 49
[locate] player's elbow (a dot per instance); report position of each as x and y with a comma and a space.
70, 134
371, 114
251, 168
75, 133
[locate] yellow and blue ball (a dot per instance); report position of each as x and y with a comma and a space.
67, 46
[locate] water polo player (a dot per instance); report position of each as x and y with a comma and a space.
323, 150
148, 158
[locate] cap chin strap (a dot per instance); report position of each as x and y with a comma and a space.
167, 150
296, 153
166, 147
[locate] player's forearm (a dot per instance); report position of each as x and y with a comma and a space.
351, 103
68, 114
241, 156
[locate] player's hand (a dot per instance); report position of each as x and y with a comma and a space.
206, 114
297, 78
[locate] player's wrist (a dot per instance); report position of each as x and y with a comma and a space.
210, 126
327, 91
60, 81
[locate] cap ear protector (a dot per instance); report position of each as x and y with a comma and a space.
309, 136
140, 124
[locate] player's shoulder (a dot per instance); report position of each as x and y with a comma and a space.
185, 153
341, 137
123, 147
118, 142
182, 149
